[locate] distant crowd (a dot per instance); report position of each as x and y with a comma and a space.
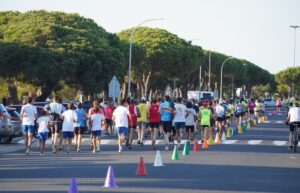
171, 119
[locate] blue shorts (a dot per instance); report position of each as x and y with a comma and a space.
96, 133
123, 130
179, 125
68, 134
28, 129
42, 136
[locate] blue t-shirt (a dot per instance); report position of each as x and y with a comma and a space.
165, 114
80, 118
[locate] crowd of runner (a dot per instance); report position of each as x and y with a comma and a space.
167, 118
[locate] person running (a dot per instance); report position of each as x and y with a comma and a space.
251, 106
292, 119
43, 130
120, 117
257, 109
134, 113
190, 121
142, 120
239, 113
28, 116
108, 110
166, 113
96, 120
69, 118
205, 116
154, 120
179, 119
278, 105
79, 126
91, 112
220, 112
56, 110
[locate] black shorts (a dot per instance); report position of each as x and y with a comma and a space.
228, 117
167, 126
79, 130
251, 112
220, 118
239, 115
292, 125
108, 121
205, 126
154, 125
56, 126
190, 128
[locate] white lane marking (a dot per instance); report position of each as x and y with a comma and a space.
230, 141
279, 122
280, 143
254, 142
267, 121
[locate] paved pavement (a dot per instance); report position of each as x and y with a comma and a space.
256, 161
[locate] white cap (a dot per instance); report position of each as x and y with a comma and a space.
143, 99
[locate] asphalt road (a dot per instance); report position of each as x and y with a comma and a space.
256, 161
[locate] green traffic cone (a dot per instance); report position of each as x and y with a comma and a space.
175, 155
186, 149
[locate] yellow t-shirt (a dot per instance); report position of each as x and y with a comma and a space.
143, 108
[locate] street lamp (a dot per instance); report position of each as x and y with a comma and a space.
221, 84
295, 28
130, 50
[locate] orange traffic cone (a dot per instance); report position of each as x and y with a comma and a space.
196, 146
217, 139
141, 170
204, 144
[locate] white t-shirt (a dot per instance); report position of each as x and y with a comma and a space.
120, 114
294, 114
180, 112
190, 119
220, 111
69, 119
97, 120
29, 111
56, 108
43, 124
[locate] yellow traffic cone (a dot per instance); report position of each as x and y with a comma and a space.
248, 125
266, 117
210, 141
240, 130
217, 138
228, 134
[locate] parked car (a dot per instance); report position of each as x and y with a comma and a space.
270, 102
6, 129
15, 121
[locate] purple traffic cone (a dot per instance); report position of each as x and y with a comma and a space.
110, 179
73, 186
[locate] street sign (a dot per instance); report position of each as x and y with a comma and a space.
114, 88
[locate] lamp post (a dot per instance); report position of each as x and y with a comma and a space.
221, 84
130, 50
295, 28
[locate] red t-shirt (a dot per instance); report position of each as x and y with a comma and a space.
154, 115
133, 116
108, 112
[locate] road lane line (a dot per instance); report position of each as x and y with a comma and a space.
280, 143
254, 142
230, 142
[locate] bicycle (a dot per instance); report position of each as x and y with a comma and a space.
295, 136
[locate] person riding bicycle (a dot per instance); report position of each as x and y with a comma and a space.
292, 119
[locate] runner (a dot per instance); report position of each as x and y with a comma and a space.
108, 110
69, 118
251, 106
56, 110
43, 130
293, 118
142, 120
166, 113
121, 121
179, 119
133, 113
220, 112
79, 126
278, 105
190, 121
239, 113
205, 117
154, 120
28, 116
96, 120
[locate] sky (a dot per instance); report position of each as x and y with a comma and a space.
256, 30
